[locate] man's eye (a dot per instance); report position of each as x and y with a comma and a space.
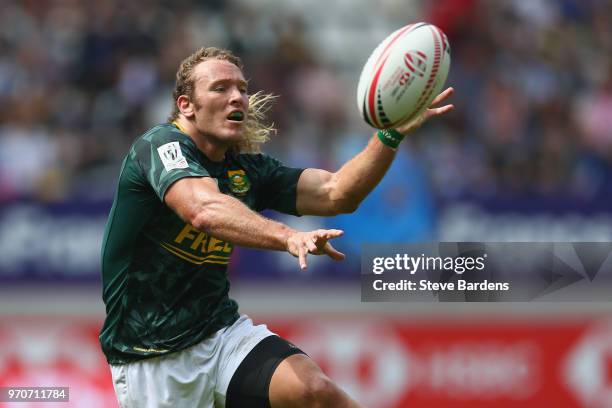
219, 89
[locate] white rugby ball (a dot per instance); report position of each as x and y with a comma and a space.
403, 75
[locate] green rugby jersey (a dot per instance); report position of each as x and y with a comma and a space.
165, 283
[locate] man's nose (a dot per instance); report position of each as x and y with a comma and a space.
236, 96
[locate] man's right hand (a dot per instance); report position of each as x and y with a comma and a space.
315, 242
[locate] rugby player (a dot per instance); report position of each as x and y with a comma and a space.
189, 191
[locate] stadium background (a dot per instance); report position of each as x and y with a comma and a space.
525, 156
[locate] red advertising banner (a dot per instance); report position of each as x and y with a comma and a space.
383, 363
55, 352
387, 363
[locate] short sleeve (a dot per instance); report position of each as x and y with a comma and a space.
278, 185
166, 155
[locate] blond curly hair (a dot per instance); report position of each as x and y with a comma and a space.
257, 130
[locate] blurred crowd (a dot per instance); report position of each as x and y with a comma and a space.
79, 80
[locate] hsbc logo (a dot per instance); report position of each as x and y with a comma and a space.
588, 369
380, 368
376, 372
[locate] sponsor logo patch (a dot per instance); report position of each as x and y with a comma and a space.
172, 156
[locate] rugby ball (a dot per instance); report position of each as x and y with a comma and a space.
406, 71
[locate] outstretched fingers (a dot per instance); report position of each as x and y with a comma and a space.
333, 253
439, 111
416, 122
325, 247
302, 257
329, 233
314, 242
443, 95
442, 109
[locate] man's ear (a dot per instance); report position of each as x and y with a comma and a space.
185, 106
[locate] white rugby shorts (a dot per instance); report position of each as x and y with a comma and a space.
195, 377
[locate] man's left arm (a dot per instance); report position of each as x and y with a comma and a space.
320, 192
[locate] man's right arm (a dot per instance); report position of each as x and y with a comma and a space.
197, 200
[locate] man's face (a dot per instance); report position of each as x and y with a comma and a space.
221, 101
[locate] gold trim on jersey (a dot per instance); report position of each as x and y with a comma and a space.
194, 259
175, 123
149, 350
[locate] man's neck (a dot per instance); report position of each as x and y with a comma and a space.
211, 150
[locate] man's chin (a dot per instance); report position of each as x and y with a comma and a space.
233, 136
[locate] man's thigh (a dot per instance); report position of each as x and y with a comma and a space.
250, 383
299, 382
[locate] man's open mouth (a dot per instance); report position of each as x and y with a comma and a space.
236, 116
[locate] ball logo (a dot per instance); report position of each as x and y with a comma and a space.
416, 64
